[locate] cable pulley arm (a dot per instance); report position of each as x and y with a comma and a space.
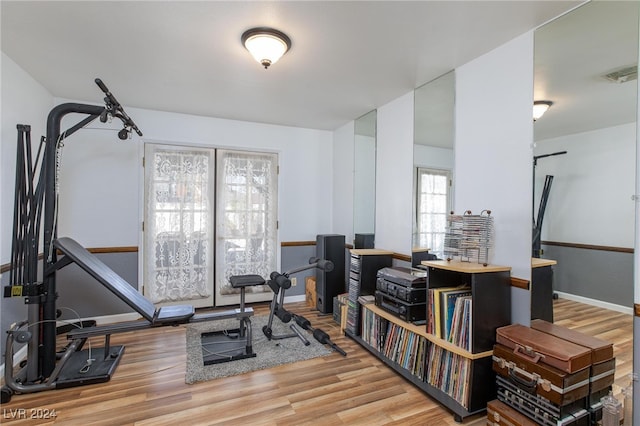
113, 108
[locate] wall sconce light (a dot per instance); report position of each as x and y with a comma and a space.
266, 45
539, 108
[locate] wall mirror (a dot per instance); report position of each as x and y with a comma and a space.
364, 180
586, 64
585, 152
433, 160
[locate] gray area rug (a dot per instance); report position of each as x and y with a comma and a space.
269, 353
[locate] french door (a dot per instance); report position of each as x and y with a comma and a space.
178, 226
246, 225
190, 251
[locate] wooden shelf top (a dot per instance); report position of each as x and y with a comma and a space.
364, 252
539, 263
466, 267
420, 249
421, 330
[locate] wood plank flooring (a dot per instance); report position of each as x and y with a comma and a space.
148, 387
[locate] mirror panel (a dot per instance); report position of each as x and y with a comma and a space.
585, 153
593, 119
433, 160
364, 180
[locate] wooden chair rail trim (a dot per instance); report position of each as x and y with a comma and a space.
297, 243
520, 283
133, 249
129, 249
400, 256
589, 246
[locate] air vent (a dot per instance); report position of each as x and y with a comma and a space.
623, 75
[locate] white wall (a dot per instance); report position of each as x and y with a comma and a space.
433, 157
591, 195
342, 172
101, 179
394, 171
493, 151
24, 101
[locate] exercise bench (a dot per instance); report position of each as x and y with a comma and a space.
220, 346
76, 367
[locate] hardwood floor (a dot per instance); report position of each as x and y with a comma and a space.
148, 387
608, 325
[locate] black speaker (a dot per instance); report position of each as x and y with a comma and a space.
419, 255
364, 241
330, 284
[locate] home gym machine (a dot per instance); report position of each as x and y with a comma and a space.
536, 250
279, 282
37, 196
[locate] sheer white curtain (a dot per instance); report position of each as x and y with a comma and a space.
178, 232
246, 225
432, 208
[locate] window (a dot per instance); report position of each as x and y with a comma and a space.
432, 207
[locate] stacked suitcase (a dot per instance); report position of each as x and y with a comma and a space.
551, 374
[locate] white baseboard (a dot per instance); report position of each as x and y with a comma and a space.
292, 299
594, 302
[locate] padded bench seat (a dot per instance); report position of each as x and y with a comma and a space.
240, 281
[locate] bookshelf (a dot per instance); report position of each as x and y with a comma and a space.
491, 295
460, 379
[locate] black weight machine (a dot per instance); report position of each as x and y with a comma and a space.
279, 282
36, 197
546, 190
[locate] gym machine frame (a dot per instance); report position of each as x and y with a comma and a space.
40, 372
43, 369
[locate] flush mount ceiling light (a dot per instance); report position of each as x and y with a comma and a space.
539, 108
266, 45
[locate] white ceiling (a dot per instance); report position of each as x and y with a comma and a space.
347, 58
572, 55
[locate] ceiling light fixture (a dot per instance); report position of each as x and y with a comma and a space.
623, 75
539, 108
266, 45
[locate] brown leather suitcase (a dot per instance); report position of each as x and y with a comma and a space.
539, 347
603, 364
602, 375
601, 350
499, 414
557, 386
